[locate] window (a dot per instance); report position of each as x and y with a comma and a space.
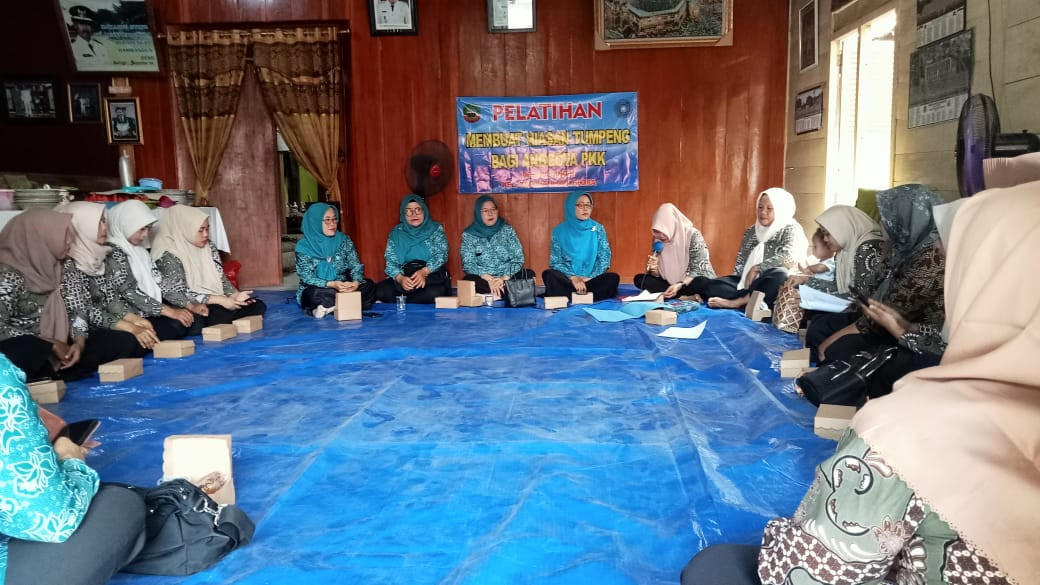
859, 143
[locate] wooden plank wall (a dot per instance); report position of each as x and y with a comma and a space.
711, 123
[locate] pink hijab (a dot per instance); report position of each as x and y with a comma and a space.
675, 256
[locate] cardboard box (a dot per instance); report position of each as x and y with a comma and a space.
348, 306
555, 302
585, 299
204, 460
661, 317
47, 391
754, 309
219, 332
447, 302
832, 420
176, 348
793, 362
119, 370
467, 294
249, 324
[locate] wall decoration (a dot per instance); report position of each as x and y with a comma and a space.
85, 103
30, 100
109, 35
511, 16
940, 79
808, 36
392, 17
123, 121
808, 110
548, 143
636, 24
937, 19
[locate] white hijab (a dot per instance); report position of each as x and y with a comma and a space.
176, 235
783, 216
123, 220
86, 220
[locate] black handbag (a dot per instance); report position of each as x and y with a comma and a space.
186, 531
520, 292
844, 382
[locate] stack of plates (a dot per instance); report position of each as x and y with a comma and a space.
47, 198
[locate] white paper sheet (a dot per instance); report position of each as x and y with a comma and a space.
684, 332
815, 300
643, 295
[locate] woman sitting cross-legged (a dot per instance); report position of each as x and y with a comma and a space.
770, 247
192, 272
684, 255
491, 251
580, 253
328, 263
416, 251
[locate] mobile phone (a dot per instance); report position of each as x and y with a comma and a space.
79, 432
860, 297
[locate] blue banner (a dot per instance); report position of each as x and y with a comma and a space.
552, 143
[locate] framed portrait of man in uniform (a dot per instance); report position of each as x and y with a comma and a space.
123, 121
109, 35
85, 103
392, 17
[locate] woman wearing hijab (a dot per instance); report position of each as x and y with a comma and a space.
133, 278
938, 482
580, 253
191, 270
416, 251
769, 248
327, 263
860, 261
913, 285
684, 255
34, 325
491, 251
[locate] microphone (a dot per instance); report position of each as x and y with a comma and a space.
658, 246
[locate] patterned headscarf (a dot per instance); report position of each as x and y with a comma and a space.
906, 215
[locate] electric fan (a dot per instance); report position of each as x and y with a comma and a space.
977, 129
429, 168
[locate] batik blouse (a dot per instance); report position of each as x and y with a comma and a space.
122, 285
437, 242
88, 301
871, 264
700, 261
779, 249
174, 282
345, 260
499, 255
20, 308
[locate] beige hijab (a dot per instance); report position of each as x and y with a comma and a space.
675, 256
86, 219
850, 228
176, 235
965, 435
33, 243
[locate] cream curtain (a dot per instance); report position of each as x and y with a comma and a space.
207, 69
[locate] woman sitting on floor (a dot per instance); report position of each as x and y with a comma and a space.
59, 526
769, 248
683, 257
491, 251
34, 326
191, 270
327, 263
938, 482
860, 262
416, 252
580, 253
133, 278
913, 285
102, 330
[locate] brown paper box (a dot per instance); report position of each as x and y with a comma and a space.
119, 370
194, 457
661, 317
832, 420
793, 362
555, 302
467, 294
177, 348
249, 324
585, 299
47, 391
753, 308
348, 306
447, 302
219, 332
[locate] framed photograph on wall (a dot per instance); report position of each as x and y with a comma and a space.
109, 35
808, 36
511, 16
85, 103
392, 17
123, 121
30, 100
808, 110
640, 24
